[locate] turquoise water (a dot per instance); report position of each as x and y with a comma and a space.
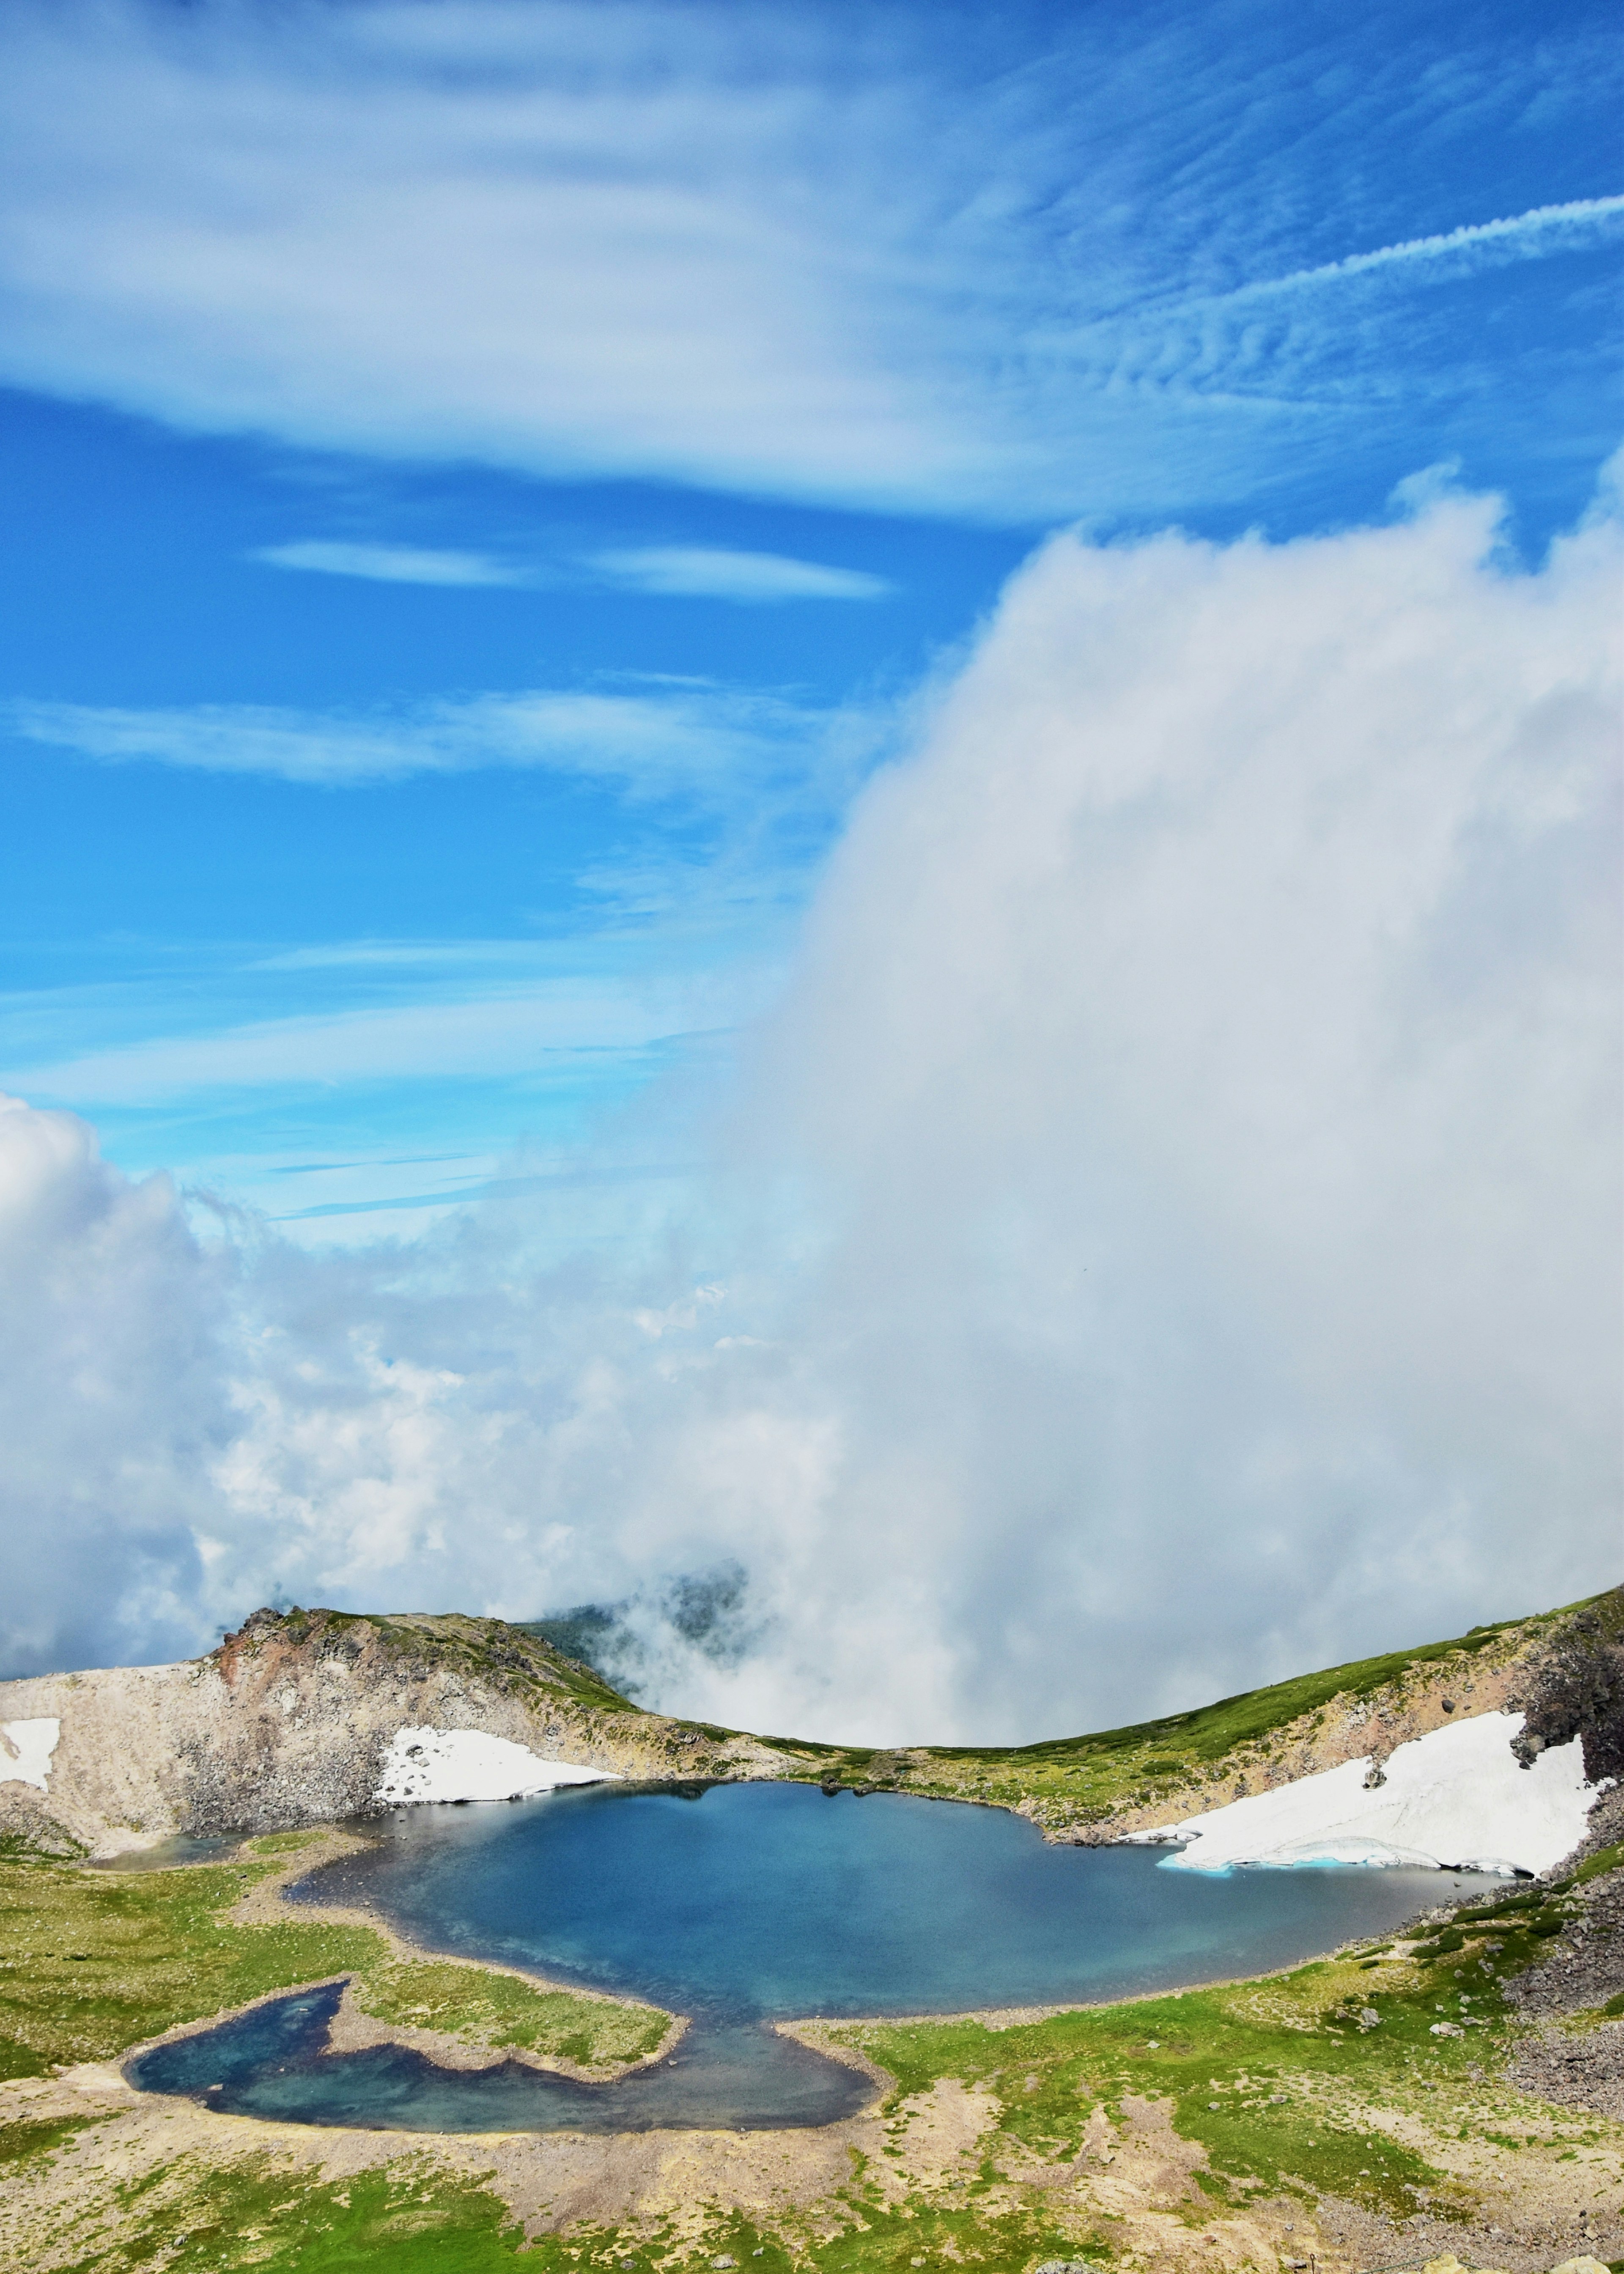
738, 1905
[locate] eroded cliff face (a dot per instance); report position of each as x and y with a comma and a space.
288, 1723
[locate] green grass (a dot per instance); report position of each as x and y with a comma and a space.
881, 2237
96, 1962
410, 2217
1070, 1783
1209, 1732
499, 2009
1270, 2076
1180, 1743
26, 2141
1275, 2079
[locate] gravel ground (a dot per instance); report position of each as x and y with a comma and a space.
1582, 2069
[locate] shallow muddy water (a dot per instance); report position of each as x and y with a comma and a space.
743, 1904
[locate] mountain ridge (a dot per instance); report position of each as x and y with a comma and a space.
287, 1722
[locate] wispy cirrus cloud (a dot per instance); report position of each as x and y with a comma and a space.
672, 739
462, 1035
759, 250
391, 564
709, 572
716, 573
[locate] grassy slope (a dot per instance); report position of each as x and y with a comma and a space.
499, 2009
1078, 1782
92, 1962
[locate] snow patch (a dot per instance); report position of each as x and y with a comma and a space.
1453, 1797
466, 1764
25, 1750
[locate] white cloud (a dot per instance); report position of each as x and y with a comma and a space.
745, 247
683, 739
1170, 1236
501, 1032
708, 572
390, 564
112, 1402
1515, 236
677, 571
1205, 1058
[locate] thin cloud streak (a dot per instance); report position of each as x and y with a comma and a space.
709, 572
390, 564
505, 1033
1520, 236
682, 741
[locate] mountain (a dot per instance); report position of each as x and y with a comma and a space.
293, 1719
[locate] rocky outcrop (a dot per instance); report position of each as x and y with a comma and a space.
289, 1722
1575, 1689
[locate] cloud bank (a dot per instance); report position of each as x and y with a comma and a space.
113, 1402
1167, 1234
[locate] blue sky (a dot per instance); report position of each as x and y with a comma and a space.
486, 484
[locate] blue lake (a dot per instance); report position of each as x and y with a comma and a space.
743, 1904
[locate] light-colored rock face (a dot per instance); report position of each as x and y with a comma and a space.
290, 1724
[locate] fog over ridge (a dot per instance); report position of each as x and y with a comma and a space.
1165, 1234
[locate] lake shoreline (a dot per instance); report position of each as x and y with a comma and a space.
266, 1904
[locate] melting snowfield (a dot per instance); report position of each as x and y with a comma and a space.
1457, 1796
25, 1750
444, 1765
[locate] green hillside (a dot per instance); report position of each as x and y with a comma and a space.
1090, 1785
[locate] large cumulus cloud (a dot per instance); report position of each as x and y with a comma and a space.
112, 1401
1207, 1053
1166, 1235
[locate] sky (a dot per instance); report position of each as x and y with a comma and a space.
811, 811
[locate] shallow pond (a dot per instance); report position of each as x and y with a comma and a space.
743, 1904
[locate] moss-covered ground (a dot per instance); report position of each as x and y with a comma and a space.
500, 2010
92, 1962
1372, 2083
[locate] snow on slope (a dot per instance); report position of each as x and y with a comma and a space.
1455, 1796
468, 1764
25, 1750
